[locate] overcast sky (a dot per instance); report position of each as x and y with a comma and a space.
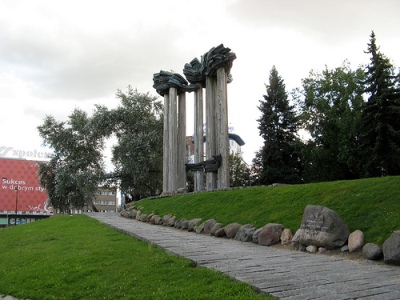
58, 55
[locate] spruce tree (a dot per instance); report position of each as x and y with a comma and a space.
380, 125
280, 158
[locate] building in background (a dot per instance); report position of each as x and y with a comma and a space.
235, 145
105, 200
22, 199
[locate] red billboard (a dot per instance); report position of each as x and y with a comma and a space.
20, 189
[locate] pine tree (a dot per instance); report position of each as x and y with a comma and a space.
277, 124
380, 127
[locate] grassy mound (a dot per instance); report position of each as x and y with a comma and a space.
370, 205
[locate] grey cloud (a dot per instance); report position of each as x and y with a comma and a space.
328, 21
78, 65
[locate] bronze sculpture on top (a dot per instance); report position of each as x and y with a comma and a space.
213, 73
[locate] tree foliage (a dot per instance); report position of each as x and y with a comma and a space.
73, 173
380, 124
280, 155
351, 116
137, 124
331, 112
239, 172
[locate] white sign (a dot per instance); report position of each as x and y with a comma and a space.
10, 152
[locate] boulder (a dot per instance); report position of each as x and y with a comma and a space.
165, 219
322, 250
220, 232
124, 213
178, 224
372, 251
208, 225
200, 228
185, 224
312, 249
356, 241
322, 227
391, 249
296, 240
132, 213
256, 234
171, 221
147, 219
155, 220
270, 234
216, 227
286, 237
232, 229
138, 213
192, 224
142, 217
245, 233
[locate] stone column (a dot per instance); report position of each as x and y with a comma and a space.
198, 138
222, 128
182, 157
211, 178
166, 144
173, 141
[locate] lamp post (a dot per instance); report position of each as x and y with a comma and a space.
16, 203
4, 178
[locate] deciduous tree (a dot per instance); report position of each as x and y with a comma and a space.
73, 174
331, 112
137, 124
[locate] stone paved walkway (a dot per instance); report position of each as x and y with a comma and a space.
285, 274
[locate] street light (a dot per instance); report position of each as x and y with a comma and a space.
4, 178
16, 203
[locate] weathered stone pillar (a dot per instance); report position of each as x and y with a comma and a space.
181, 160
211, 177
170, 85
173, 140
222, 128
166, 144
198, 138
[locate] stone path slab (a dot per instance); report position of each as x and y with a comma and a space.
285, 274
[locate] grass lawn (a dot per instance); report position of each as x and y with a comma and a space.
76, 257
370, 205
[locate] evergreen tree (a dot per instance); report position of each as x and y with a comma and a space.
380, 126
278, 126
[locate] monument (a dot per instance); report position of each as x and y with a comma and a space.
213, 74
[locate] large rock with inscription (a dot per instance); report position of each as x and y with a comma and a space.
391, 249
322, 227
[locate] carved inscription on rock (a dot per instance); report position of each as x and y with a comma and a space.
322, 227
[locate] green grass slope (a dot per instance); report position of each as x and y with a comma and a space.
76, 257
371, 205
